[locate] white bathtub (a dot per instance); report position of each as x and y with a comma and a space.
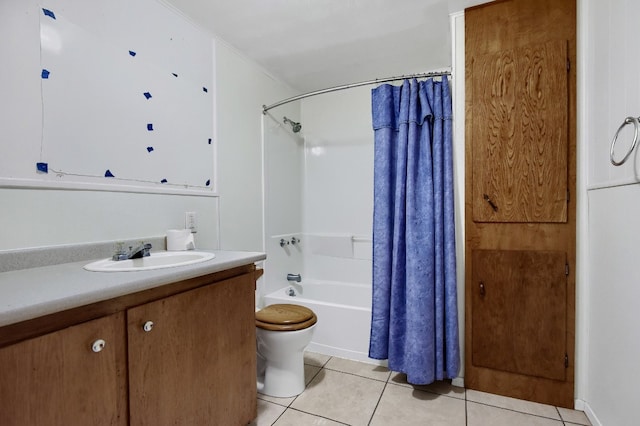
344, 316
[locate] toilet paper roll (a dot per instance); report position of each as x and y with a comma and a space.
180, 239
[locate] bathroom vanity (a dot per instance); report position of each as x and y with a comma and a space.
173, 346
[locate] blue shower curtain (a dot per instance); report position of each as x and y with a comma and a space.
414, 321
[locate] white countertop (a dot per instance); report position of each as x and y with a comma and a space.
34, 292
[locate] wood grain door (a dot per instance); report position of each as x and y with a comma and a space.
519, 320
520, 150
196, 362
57, 379
520, 222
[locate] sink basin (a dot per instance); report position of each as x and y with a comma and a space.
157, 260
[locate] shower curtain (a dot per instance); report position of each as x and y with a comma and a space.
414, 320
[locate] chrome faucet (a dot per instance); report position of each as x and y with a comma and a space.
143, 250
294, 277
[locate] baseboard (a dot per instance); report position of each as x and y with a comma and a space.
458, 381
581, 405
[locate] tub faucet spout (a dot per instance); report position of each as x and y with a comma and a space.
294, 277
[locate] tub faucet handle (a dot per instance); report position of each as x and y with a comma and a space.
283, 242
294, 277
295, 240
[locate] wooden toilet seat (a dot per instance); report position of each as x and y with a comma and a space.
285, 317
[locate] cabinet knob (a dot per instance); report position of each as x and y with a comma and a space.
147, 326
98, 345
483, 291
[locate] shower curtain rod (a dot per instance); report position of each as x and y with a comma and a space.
266, 108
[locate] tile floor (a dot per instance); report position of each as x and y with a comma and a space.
344, 392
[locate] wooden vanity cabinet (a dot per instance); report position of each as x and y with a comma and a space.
58, 379
192, 357
183, 353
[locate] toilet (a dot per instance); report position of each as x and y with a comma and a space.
283, 331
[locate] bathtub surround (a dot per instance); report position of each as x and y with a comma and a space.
414, 316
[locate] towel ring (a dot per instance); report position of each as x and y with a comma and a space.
626, 121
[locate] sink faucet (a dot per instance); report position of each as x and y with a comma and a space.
141, 250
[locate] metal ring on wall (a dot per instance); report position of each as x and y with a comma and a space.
626, 121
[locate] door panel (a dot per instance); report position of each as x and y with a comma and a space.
183, 367
520, 134
57, 379
519, 312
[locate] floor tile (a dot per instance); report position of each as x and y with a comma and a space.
534, 408
440, 387
267, 413
342, 397
486, 415
370, 371
310, 372
313, 358
404, 406
573, 416
298, 418
285, 402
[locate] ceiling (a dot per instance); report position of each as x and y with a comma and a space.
315, 44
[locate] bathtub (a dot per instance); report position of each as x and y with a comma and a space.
344, 316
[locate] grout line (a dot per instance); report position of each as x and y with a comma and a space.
278, 418
377, 403
516, 411
317, 415
427, 391
466, 409
354, 374
272, 402
357, 375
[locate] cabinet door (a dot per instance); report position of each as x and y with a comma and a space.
197, 363
57, 379
520, 134
519, 312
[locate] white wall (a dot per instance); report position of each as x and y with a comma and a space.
242, 90
609, 289
34, 217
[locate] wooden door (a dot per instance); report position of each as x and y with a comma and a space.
57, 379
196, 363
519, 219
519, 321
520, 150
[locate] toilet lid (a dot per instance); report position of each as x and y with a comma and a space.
285, 317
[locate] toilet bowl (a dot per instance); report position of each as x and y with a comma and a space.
283, 331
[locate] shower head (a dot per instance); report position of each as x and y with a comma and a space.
296, 127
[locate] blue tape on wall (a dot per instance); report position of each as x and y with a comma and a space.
149, 148
48, 13
205, 89
209, 141
150, 127
45, 73
208, 182
174, 74
108, 173
132, 53
163, 181
147, 95
42, 167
